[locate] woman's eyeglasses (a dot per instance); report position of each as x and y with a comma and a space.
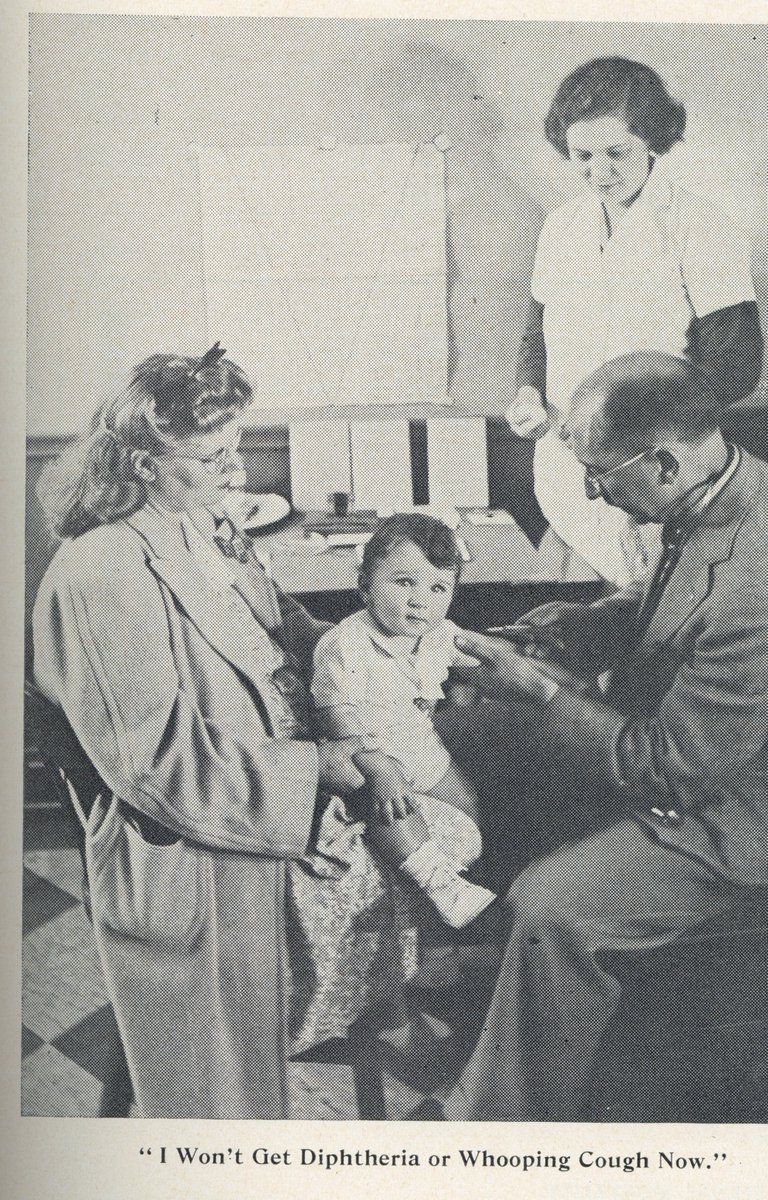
594, 481
213, 463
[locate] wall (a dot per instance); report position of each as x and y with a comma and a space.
115, 268
116, 102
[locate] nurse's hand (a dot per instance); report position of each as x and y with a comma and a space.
497, 669
528, 416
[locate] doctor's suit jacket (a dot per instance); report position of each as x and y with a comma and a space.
683, 725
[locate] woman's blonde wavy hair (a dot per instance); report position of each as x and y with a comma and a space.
169, 398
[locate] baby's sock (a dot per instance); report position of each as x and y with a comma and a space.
456, 899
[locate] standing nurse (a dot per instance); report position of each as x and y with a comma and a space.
637, 263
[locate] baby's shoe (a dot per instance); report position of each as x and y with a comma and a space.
456, 899
454, 831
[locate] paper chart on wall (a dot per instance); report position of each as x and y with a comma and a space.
457, 462
325, 271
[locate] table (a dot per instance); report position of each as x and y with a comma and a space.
500, 554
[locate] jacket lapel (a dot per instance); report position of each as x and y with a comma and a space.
689, 586
693, 578
172, 561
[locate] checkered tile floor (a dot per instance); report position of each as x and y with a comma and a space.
718, 1058
67, 1021
65, 1012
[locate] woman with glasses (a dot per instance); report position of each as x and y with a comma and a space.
231, 928
636, 263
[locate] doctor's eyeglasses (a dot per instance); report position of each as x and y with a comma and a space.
595, 481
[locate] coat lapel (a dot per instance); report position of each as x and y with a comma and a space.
216, 619
689, 585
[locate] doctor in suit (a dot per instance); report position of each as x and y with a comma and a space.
656, 734
182, 670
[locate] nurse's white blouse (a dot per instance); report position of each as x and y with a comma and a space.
672, 257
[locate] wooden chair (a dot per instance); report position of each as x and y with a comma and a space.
71, 777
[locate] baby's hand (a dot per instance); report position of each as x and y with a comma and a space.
388, 792
390, 800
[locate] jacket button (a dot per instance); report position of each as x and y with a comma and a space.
668, 816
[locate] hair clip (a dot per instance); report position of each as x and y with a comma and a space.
209, 359
107, 430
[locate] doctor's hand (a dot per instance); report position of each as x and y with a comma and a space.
558, 631
582, 637
528, 416
497, 669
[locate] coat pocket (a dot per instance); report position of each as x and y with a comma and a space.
141, 890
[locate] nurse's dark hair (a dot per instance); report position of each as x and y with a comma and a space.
436, 540
646, 398
168, 399
617, 85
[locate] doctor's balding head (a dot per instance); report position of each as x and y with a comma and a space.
645, 427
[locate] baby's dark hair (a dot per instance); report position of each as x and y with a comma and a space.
609, 85
437, 542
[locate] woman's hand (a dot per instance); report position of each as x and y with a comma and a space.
528, 416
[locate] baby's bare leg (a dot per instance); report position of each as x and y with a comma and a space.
397, 841
454, 788
432, 847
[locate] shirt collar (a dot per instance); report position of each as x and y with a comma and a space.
393, 645
656, 192
201, 522
200, 544
208, 557
676, 530
654, 196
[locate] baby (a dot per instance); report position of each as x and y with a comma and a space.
379, 673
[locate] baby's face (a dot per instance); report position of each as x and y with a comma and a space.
406, 595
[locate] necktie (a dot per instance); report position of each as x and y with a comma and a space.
672, 542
